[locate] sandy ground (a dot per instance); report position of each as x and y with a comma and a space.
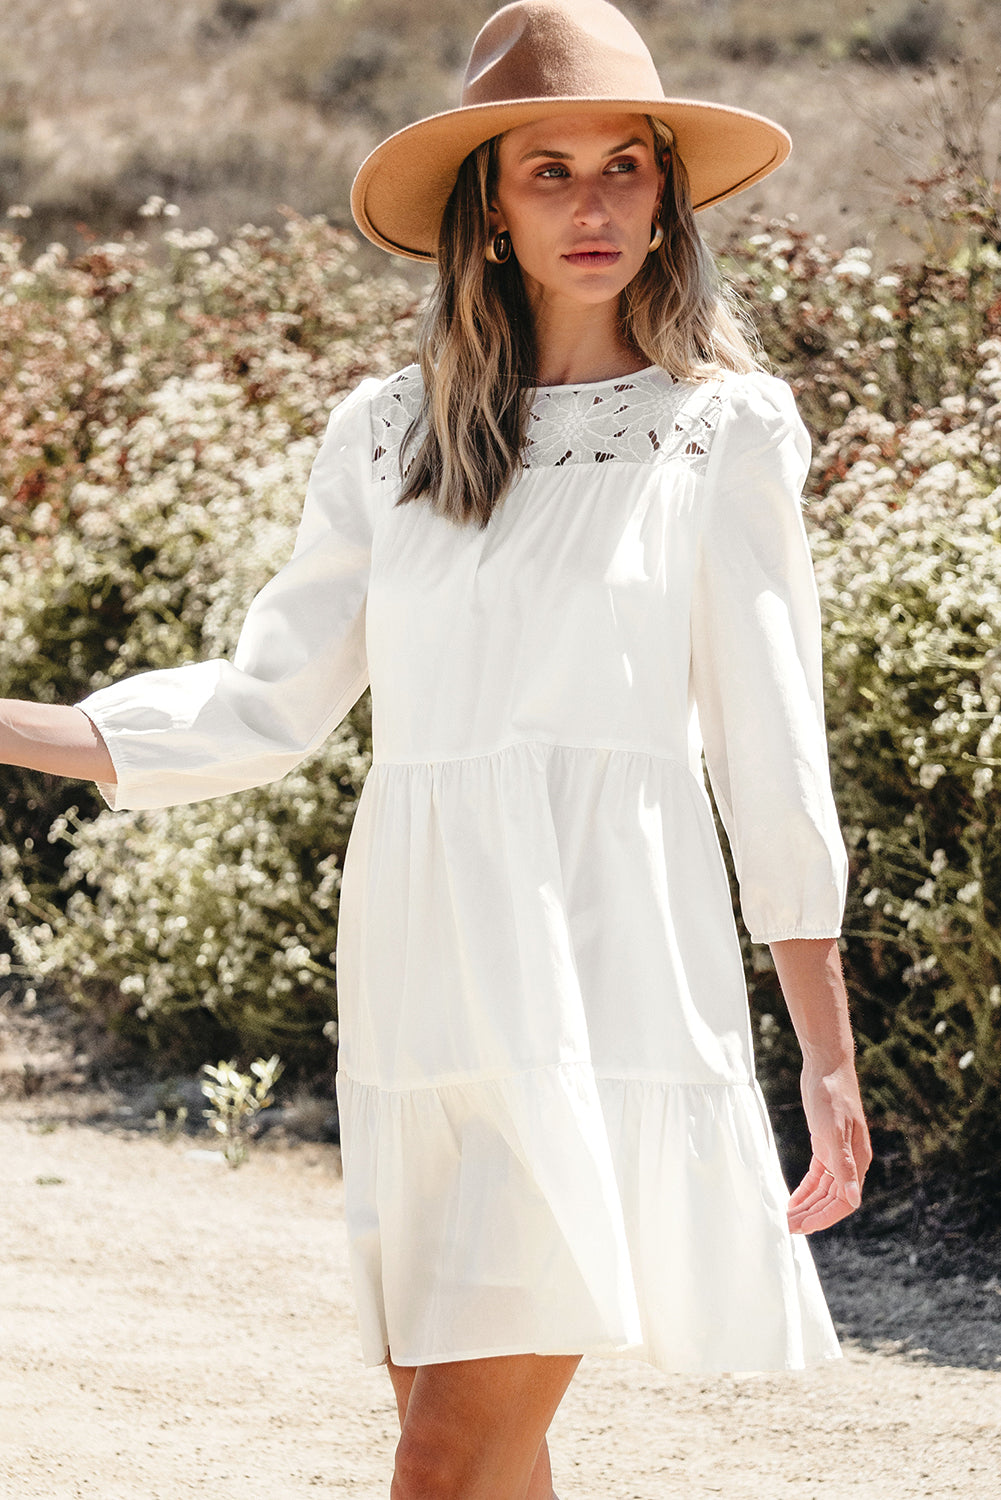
171, 1328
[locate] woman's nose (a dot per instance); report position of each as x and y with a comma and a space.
590, 207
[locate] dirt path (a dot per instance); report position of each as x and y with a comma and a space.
170, 1328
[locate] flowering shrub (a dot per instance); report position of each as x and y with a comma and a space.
149, 411
157, 425
847, 337
900, 377
907, 552
212, 920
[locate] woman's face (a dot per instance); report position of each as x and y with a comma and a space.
578, 194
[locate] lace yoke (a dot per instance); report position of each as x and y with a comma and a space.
650, 418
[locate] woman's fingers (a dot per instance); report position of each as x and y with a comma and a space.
813, 1198
811, 1188
845, 1173
821, 1199
832, 1188
823, 1216
861, 1148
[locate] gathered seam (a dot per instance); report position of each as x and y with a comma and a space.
509, 1075
487, 754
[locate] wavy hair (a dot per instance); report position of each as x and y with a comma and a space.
477, 348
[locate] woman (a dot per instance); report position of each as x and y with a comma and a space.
567, 552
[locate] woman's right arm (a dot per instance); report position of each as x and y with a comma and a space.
204, 729
54, 738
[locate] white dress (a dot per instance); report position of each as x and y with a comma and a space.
553, 1138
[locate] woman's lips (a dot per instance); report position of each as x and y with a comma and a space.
594, 258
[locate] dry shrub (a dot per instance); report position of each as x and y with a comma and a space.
913, 37
280, 100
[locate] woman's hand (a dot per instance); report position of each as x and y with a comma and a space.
839, 1138
809, 971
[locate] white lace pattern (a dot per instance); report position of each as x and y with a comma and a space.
649, 418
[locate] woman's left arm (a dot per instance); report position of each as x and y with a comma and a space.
809, 971
758, 687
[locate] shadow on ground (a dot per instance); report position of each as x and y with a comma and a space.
938, 1303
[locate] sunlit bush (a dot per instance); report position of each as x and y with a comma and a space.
900, 377
908, 561
210, 921
157, 425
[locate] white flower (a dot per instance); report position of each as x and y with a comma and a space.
983, 781
966, 1059
854, 266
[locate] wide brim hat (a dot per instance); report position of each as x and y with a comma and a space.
533, 60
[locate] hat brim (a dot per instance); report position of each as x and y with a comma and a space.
401, 189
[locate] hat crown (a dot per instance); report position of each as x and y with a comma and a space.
555, 49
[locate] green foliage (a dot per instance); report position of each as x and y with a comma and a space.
171, 1118
900, 378
211, 923
235, 1099
908, 566
157, 425
847, 337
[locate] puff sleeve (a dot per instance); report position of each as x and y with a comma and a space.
208, 728
756, 669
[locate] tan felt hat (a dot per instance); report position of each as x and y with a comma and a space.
532, 60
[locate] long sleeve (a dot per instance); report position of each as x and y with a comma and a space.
213, 727
756, 669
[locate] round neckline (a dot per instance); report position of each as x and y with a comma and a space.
591, 385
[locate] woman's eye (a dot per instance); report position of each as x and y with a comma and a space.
556, 170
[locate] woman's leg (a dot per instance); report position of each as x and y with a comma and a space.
541, 1486
476, 1429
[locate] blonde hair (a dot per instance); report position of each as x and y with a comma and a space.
477, 348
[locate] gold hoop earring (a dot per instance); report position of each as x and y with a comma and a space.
658, 239
498, 250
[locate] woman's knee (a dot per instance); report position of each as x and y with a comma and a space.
428, 1467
